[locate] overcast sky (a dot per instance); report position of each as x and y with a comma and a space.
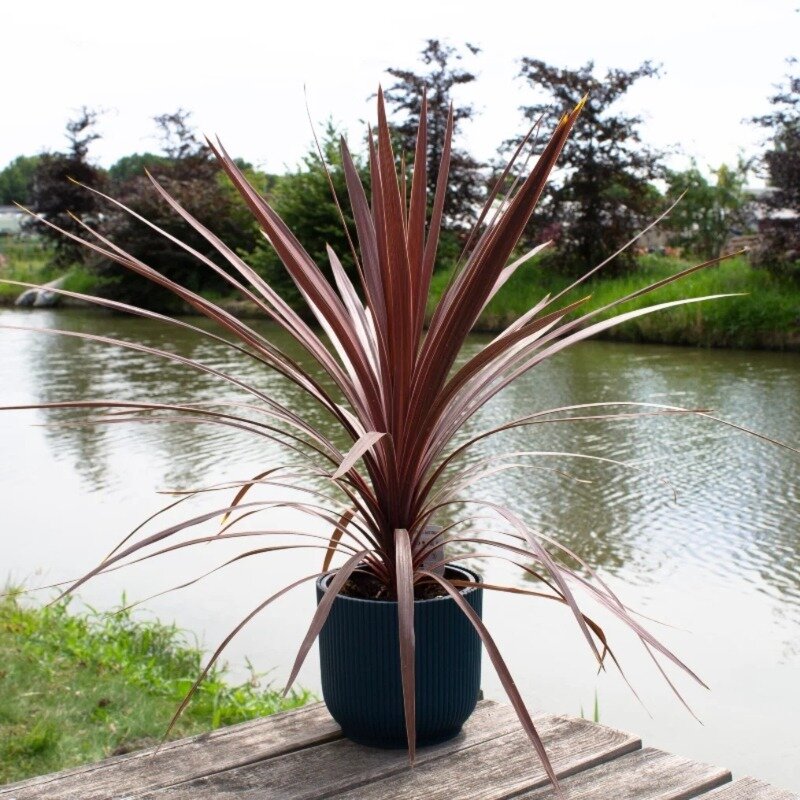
240, 67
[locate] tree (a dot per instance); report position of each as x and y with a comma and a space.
603, 194
133, 166
55, 196
466, 183
780, 249
16, 180
303, 200
188, 171
709, 213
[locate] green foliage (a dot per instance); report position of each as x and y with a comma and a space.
133, 166
595, 709
303, 200
82, 280
31, 261
768, 315
709, 213
604, 193
23, 259
16, 180
187, 171
78, 687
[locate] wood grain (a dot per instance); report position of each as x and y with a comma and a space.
224, 748
648, 774
502, 767
750, 789
338, 766
300, 755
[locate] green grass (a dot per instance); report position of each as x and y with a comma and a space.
30, 261
595, 709
77, 687
82, 280
22, 260
768, 316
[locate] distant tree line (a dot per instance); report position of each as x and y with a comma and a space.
609, 184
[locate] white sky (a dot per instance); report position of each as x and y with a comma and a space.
240, 67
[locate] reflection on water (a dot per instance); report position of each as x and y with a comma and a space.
65, 368
727, 549
737, 497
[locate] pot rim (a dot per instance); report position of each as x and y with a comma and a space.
323, 580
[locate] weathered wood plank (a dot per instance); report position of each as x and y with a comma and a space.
183, 759
648, 774
336, 767
506, 766
300, 755
484, 768
750, 789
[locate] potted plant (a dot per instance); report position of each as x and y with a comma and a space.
399, 617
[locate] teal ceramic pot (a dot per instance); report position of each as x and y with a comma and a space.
360, 666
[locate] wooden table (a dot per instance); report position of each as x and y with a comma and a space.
301, 754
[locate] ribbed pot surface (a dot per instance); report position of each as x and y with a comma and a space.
360, 665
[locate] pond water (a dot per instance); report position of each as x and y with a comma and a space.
720, 564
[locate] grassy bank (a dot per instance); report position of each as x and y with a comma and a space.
767, 317
77, 687
30, 261
22, 260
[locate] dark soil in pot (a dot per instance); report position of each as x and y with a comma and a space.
360, 666
365, 586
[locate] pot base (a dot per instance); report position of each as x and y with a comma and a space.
402, 744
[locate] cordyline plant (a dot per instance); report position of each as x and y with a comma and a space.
398, 396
